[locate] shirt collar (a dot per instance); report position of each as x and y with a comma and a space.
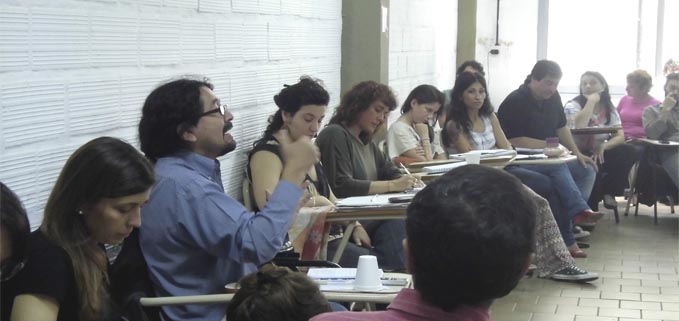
410, 301
204, 165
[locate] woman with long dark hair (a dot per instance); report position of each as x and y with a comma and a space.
301, 110
593, 108
96, 200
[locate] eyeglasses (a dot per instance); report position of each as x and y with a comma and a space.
10, 269
221, 109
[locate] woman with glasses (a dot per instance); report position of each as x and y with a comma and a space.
411, 136
14, 233
301, 109
96, 200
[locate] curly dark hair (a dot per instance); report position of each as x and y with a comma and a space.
168, 112
470, 236
308, 91
457, 111
359, 98
276, 293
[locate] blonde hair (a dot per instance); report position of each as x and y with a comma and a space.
640, 78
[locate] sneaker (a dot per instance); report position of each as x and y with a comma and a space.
574, 274
580, 234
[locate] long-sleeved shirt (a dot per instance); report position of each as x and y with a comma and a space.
661, 128
350, 164
196, 239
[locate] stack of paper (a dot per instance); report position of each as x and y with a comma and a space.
484, 154
437, 169
377, 201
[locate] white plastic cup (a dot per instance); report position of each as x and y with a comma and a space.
367, 274
472, 158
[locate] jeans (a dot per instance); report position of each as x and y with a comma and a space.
584, 177
349, 258
542, 185
387, 239
565, 184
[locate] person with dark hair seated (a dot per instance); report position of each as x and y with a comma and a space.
301, 109
14, 234
276, 293
470, 240
96, 200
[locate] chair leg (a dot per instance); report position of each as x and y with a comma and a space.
617, 218
655, 212
671, 199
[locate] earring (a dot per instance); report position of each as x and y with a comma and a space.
80, 212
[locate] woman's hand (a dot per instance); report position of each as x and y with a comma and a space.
403, 183
598, 155
361, 237
422, 130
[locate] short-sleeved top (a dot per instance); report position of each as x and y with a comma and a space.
480, 140
272, 145
588, 142
630, 114
521, 115
48, 272
403, 137
351, 164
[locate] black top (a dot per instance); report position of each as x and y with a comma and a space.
321, 182
521, 115
48, 272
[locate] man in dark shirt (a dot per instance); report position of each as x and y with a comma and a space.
534, 112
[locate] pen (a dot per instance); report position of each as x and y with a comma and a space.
406, 169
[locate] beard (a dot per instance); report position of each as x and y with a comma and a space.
231, 146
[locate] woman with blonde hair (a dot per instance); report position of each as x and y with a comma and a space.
630, 107
96, 200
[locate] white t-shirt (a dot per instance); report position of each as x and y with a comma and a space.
402, 137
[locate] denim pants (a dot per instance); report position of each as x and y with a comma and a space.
542, 185
387, 239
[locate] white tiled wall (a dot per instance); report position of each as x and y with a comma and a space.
71, 71
422, 44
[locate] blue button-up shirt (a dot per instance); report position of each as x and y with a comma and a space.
196, 239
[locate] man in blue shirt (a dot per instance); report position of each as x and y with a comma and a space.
195, 238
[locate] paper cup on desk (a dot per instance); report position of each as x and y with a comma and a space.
367, 274
472, 158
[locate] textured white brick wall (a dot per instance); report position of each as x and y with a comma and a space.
422, 44
71, 71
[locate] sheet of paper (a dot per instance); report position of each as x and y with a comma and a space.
370, 200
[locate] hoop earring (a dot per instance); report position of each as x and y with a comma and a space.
80, 212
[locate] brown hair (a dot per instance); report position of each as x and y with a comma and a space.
276, 293
359, 98
640, 78
120, 170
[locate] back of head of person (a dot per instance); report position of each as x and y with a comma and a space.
185, 115
96, 200
364, 105
544, 79
14, 232
470, 66
301, 109
470, 237
276, 293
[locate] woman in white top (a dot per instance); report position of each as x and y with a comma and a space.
409, 137
593, 108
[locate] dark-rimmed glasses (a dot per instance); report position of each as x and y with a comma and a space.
221, 109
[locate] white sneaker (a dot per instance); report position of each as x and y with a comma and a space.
574, 274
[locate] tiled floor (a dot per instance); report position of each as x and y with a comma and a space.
637, 262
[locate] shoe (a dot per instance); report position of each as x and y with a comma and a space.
577, 253
589, 227
587, 217
580, 234
610, 202
574, 274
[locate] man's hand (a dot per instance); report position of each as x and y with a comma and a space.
298, 156
361, 237
586, 160
668, 104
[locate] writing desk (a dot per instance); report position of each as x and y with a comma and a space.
354, 214
595, 130
545, 161
384, 297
